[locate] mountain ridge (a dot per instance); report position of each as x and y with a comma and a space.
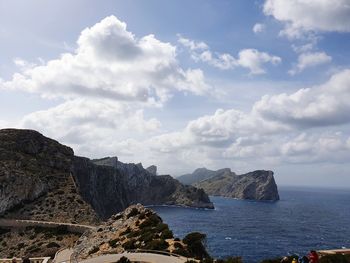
256, 185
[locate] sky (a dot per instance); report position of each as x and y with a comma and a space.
185, 84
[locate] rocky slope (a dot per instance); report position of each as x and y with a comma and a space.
110, 186
35, 180
200, 174
257, 185
136, 227
42, 179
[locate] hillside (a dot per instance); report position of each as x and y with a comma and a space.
257, 185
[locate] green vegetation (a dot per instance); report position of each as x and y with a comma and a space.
52, 244
113, 242
130, 244
157, 244
195, 243
153, 220
94, 250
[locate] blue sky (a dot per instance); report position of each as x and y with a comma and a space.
185, 84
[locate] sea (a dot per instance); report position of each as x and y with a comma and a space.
304, 219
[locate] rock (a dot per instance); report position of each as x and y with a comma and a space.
152, 169
257, 185
30, 165
135, 228
200, 174
110, 186
35, 179
36, 171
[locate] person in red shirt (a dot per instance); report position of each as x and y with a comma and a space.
313, 257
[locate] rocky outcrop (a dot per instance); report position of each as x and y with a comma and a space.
110, 186
35, 180
30, 165
257, 185
41, 179
200, 174
152, 169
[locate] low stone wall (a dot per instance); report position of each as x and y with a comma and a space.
14, 223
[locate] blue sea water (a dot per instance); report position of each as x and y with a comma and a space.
303, 219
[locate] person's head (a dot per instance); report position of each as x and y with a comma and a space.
14, 260
312, 251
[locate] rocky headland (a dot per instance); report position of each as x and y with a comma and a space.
110, 186
257, 185
39, 177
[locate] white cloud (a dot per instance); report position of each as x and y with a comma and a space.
310, 59
251, 59
110, 62
310, 148
323, 105
305, 16
254, 60
271, 131
86, 122
258, 28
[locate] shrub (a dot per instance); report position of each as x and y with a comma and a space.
52, 244
178, 245
182, 252
126, 231
130, 244
133, 212
157, 244
142, 216
232, 260
161, 227
195, 244
166, 234
94, 250
153, 220
113, 243
146, 237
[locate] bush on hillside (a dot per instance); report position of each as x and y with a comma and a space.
195, 243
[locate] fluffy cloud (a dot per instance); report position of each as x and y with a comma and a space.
258, 28
301, 16
251, 59
306, 60
80, 116
271, 130
316, 148
110, 62
323, 105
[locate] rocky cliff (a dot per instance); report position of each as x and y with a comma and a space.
111, 186
257, 185
42, 179
200, 174
135, 228
35, 179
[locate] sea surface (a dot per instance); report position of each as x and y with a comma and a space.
304, 219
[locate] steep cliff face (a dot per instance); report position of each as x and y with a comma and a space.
111, 186
35, 180
30, 165
257, 185
42, 179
